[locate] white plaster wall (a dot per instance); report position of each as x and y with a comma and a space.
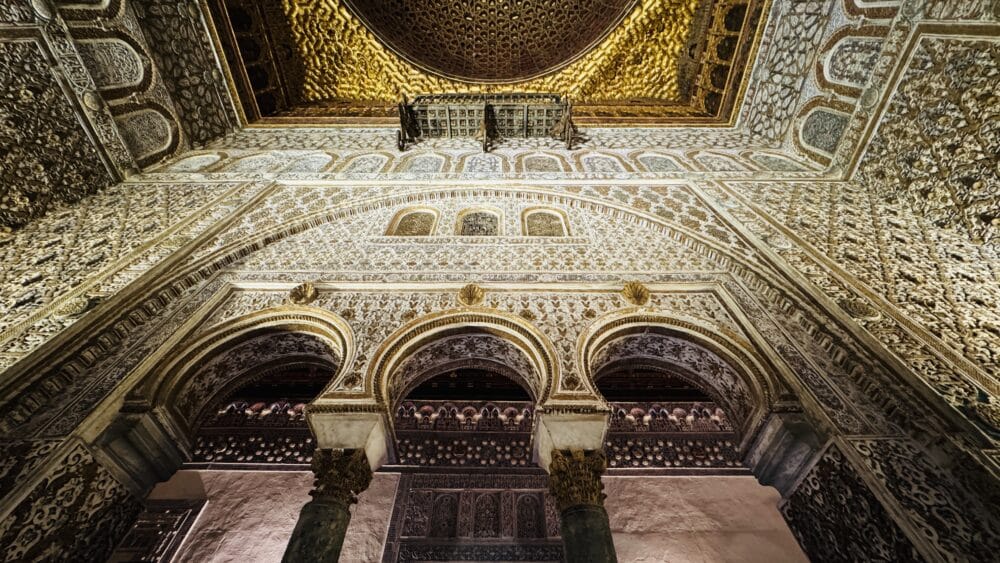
698, 520
250, 515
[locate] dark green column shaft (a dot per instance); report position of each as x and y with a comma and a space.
319, 533
586, 534
575, 482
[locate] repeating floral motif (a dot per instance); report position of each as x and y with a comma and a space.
47, 158
66, 263
20, 459
77, 513
908, 225
866, 238
833, 493
17, 11
937, 505
920, 236
937, 143
779, 76
187, 62
113, 48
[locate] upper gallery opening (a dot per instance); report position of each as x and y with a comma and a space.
660, 62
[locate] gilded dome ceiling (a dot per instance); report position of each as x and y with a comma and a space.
619, 61
490, 40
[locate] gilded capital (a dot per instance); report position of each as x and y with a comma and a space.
340, 475
575, 477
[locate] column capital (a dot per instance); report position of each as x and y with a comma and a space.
350, 426
340, 475
562, 429
575, 477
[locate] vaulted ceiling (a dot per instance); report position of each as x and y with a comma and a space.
635, 61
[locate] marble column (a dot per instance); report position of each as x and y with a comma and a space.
319, 533
575, 482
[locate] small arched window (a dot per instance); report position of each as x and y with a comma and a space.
544, 223
414, 223
479, 224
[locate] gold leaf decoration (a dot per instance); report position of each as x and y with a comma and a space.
636, 293
303, 294
344, 60
471, 295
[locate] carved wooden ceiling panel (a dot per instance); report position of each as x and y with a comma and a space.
492, 40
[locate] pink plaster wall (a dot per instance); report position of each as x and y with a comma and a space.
698, 520
250, 515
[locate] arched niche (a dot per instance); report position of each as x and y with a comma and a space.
255, 163
426, 163
544, 222
482, 222
317, 162
731, 376
413, 222
194, 163
260, 418
464, 400
195, 376
403, 360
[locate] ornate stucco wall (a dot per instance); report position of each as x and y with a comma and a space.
843, 230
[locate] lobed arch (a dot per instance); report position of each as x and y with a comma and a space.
579, 160
407, 164
657, 162
755, 387
355, 163
298, 336
557, 162
382, 380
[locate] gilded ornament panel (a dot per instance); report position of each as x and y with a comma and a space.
637, 60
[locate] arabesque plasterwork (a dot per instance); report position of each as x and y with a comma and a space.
861, 286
